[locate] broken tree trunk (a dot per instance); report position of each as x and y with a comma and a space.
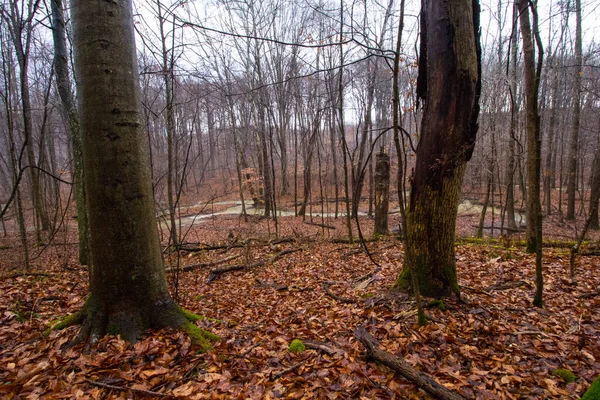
382, 193
407, 371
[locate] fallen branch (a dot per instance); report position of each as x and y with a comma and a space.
422, 380
320, 225
188, 268
217, 272
336, 297
126, 389
355, 241
506, 285
325, 347
20, 274
589, 295
244, 243
285, 371
505, 228
477, 290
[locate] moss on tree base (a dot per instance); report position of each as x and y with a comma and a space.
131, 323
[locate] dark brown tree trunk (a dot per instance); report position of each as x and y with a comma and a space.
532, 82
397, 122
128, 287
382, 193
510, 168
574, 144
595, 191
307, 175
449, 63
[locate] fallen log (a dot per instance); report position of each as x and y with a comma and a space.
244, 243
188, 268
421, 379
217, 272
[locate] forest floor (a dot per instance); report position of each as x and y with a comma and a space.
492, 345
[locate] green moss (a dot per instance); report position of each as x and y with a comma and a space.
367, 295
296, 346
63, 322
190, 316
565, 374
593, 393
437, 303
403, 282
200, 337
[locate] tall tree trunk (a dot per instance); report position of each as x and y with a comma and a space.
63, 83
341, 124
167, 73
574, 144
310, 147
15, 159
548, 172
397, 121
511, 167
595, 190
449, 63
21, 27
128, 287
532, 82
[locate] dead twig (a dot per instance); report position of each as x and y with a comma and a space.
188, 268
126, 389
477, 290
506, 285
20, 274
285, 371
217, 272
589, 295
334, 296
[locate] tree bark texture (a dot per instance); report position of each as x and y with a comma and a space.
382, 193
574, 144
532, 81
63, 83
128, 287
449, 83
595, 192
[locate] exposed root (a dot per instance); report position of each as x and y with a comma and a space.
131, 322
